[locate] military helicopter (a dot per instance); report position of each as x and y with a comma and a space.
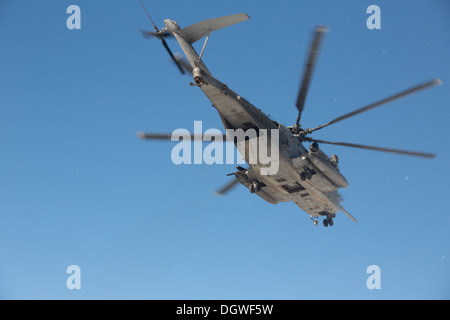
306, 175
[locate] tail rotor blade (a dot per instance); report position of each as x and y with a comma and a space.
172, 56
150, 34
148, 15
160, 35
184, 63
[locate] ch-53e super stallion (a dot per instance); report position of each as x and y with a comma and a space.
306, 175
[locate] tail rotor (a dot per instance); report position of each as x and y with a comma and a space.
161, 35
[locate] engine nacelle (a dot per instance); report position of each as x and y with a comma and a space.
196, 72
328, 169
242, 177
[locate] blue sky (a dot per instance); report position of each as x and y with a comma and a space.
77, 187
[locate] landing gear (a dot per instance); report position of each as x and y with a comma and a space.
302, 176
328, 221
315, 221
255, 187
306, 174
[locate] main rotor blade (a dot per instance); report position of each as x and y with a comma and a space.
360, 146
226, 188
309, 67
381, 102
148, 15
154, 136
172, 56
168, 137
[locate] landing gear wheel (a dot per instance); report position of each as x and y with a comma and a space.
308, 175
330, 222
325, 223
302, 176
255, 187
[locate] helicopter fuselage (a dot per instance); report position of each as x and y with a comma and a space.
308, 178
305, 176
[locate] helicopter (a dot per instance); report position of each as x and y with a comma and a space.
306, 175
